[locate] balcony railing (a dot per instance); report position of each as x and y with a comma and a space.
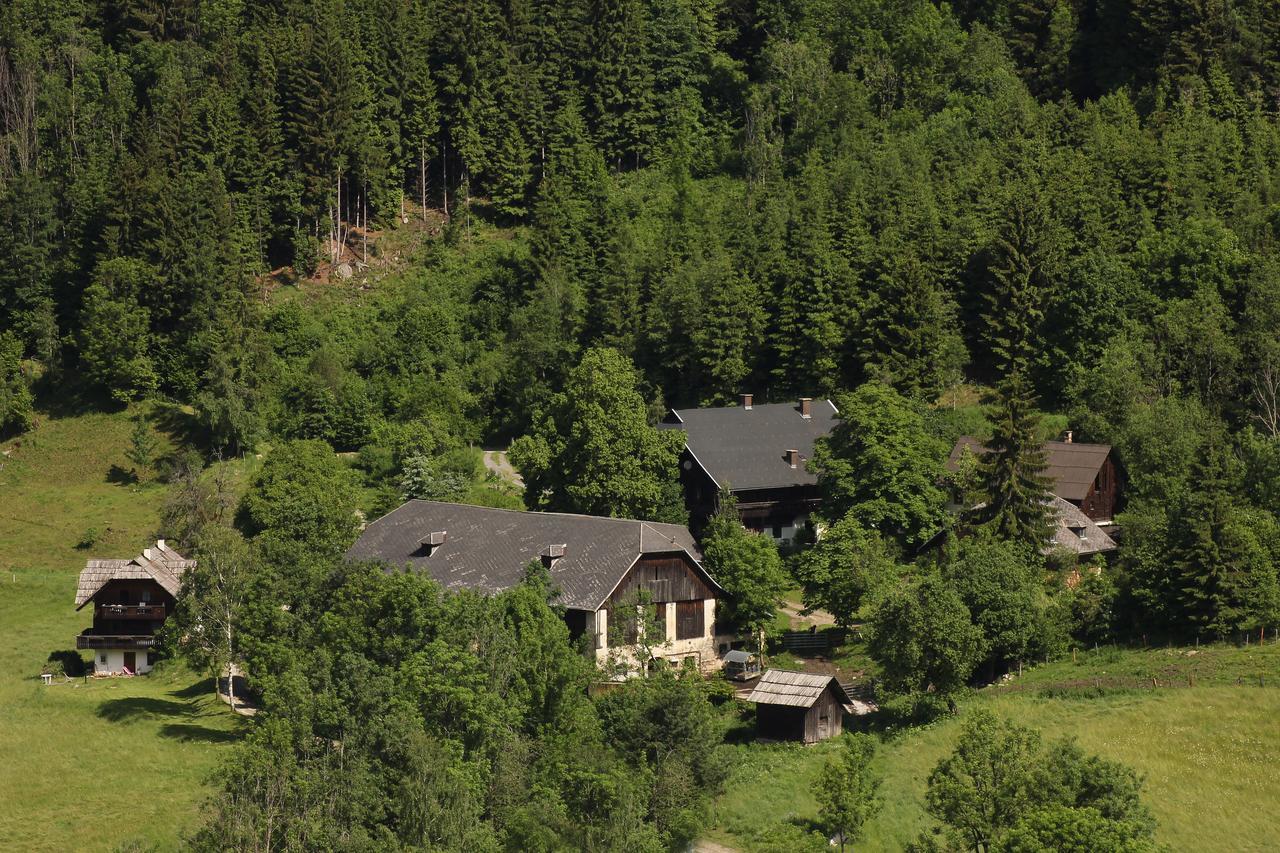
115, 641
131, 611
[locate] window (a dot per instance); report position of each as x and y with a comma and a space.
690, 620
146, 658
145, 596
777, 531
660, 622
102, 659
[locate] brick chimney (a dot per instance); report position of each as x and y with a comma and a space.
551, 554
745, 400
806, 407
793, 458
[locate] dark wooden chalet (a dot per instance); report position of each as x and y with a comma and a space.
602, 567
798, 706
757, 452
131, 599
1084, 475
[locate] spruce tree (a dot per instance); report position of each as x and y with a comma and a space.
1012, 470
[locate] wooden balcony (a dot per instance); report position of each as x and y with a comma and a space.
90, 640
131, 611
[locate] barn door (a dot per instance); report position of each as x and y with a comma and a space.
824, 724
131, 662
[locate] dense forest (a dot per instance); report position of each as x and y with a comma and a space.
586, 206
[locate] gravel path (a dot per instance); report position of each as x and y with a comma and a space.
496, 462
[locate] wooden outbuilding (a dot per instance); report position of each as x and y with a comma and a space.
798, 706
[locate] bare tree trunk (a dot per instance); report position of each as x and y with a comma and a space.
364, 221
1266, 393
444, 171
422, 171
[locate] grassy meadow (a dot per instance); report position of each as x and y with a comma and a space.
1208, 752
96, 764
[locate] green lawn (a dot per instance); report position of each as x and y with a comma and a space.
1209, 754
88, 766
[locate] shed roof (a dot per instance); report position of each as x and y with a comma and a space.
1076, 531
743, 448
488, 549
800, 689
738, 656
1071, 465
159, 563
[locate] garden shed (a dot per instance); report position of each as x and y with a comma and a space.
798, 706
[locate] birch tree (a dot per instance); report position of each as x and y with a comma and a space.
211, 603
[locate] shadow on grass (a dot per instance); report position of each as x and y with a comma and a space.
203, 687
188, 733
133, 707
121, 477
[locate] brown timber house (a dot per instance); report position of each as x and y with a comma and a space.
1084, 475
605, 570
758, 452
131, 599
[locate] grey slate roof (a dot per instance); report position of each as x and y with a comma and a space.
800, 689
1076, 532
1071, 465
746, 448
159, 563
488, 549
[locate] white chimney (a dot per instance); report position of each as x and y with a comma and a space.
1067, 438
551, 554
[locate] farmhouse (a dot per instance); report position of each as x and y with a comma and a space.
757, 452
603, 568
798, 706
1083, 475
131, 599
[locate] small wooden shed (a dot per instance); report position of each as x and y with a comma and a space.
798, 706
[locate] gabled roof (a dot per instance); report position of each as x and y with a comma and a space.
1076, 532
488, 549
799, 689
1071, 465
159, 563
745, 448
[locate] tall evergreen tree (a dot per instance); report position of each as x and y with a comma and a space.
1013, 483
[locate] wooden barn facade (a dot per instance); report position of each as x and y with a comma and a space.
798, 706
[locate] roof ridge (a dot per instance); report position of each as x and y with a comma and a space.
532, 512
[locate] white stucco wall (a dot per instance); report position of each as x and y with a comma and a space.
115, 661
702, 649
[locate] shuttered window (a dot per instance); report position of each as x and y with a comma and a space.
690, 616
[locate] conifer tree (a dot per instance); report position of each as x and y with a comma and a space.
807, 337
1014, 486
